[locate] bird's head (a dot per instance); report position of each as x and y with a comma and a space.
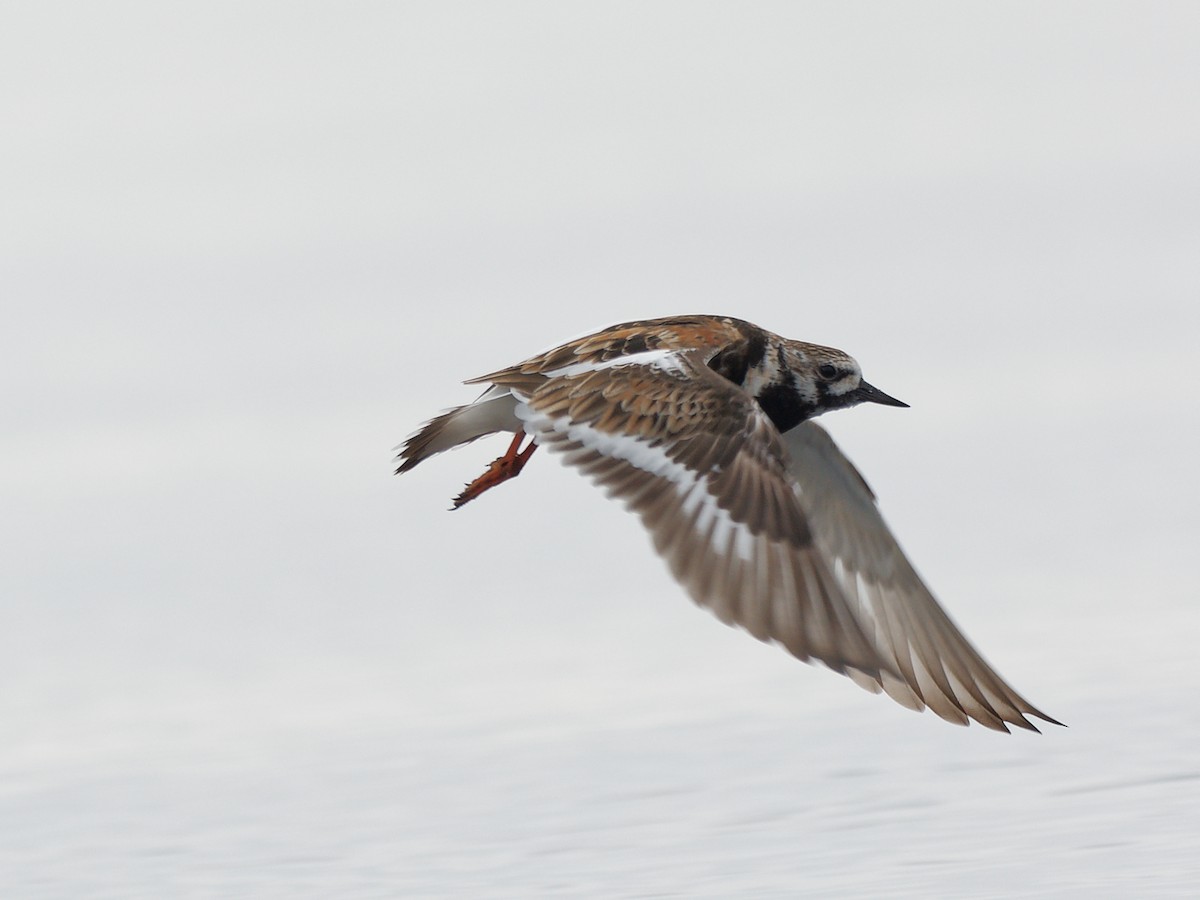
808, 379
832, 379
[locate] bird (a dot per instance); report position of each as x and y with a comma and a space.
702, 426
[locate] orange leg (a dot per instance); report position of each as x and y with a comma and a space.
507, 466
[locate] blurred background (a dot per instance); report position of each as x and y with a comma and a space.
246, 248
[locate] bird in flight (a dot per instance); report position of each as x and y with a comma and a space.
702, 425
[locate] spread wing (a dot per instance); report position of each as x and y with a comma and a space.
913, 635
782, 539
705, 470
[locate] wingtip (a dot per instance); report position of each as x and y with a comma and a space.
1024, 723
1046, 718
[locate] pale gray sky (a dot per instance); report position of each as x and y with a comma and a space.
246, 248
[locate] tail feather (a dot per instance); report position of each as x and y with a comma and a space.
494, 411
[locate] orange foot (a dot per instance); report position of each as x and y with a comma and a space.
506, 467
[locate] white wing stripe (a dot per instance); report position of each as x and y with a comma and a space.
652, 458
663, 360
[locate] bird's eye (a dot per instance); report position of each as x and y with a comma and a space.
827, 371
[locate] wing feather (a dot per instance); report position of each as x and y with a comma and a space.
705, 470
778, 535
912, 632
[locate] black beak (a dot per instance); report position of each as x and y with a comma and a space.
868, 394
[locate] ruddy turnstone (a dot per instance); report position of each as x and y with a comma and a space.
702, 426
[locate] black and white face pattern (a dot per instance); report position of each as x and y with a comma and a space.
800, 381
836, 378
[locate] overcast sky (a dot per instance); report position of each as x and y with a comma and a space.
245, 249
